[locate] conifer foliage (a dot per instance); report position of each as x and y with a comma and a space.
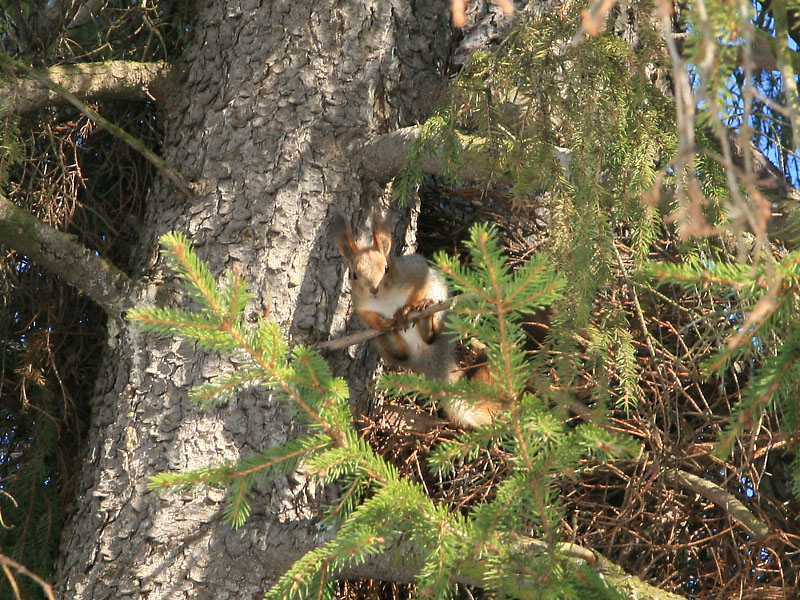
682, 309
378, 510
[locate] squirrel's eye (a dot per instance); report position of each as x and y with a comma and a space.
353, 276
386, 269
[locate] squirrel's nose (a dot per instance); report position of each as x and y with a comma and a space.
374, 290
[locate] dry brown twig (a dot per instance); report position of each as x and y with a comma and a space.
7, 564
368, 334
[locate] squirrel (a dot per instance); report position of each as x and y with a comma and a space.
384, 289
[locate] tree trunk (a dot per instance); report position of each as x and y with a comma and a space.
278, 99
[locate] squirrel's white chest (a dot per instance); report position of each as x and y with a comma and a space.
386, 303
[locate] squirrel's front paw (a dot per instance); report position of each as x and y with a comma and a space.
400, 319
421, 304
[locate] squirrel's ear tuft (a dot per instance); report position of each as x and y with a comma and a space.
381, 235
343, 236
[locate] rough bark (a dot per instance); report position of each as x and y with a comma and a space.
277, 97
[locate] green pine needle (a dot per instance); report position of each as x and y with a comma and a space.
377, 504
200, 283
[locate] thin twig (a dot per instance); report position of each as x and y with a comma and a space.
6, 562
368, 334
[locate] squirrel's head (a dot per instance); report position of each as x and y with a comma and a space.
370, 265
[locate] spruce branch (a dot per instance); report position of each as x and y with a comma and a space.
225, 387
497, 297
195, 272
221, 324
381, 512
776, 383
241, 476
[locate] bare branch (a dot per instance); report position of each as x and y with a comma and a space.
112, 80
382, 157
721, 498
134, 143
7, 564
63, 256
